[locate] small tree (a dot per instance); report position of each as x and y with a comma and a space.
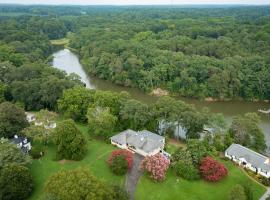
78, 184
12, 120
120, 161
197, 150
36, 133
101, 121
15, 183
212, 170
237, 193
186, 170
119, 165
120, 193
70, 142
156, 166
10, 154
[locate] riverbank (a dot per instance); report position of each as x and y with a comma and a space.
66, 60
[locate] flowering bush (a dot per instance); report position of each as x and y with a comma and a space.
156, 165
212, 170
117, 157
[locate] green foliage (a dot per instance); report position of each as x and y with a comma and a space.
15, 183
77, 184
37, 85
120, 193
3, 91
135, 114
202, 52
12, 120
10, 154
197, 150
237, 193
75, 102
71, 143
37, 152
119, 165
36, 133
101, 122
245, 131
186, 170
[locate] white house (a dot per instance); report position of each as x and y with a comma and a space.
143, 142
22, 143
30, 117
249, 159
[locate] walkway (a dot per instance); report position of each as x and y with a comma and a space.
133, 176
266, 194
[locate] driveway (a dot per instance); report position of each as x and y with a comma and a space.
134, 175
266, 194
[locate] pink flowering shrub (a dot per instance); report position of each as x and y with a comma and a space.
156, 166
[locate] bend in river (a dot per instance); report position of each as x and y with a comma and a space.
69, 62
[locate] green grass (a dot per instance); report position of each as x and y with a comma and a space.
95, 160
195, 190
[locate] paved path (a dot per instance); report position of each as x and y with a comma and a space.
266, 194
133, 176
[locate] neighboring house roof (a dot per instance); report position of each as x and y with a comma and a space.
144, 140
257, 160
22, 143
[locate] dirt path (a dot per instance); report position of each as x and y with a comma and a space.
133, 176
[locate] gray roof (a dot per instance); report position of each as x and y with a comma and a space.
257, 160
144, 140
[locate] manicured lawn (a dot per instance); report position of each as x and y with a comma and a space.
194, 190
95, 160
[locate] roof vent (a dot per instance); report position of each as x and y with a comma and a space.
142, 138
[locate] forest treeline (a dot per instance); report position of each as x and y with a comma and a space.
191, 52
194, 52
219, 52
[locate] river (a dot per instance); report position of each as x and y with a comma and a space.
69, 62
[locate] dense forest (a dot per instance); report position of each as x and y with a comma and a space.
207, 52
219, 52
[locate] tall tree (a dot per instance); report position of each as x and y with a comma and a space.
71, 143
12, 120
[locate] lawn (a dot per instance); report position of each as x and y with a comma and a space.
95, 160
195, 190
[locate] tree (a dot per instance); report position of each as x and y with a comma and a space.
36, 133
10, 154
101, 122
119, 165
245, 131
197, 150
135, 114
77, 184
120, 161
237, 193
156, 166
71, 144
75, 102
15, 183
120, 193
3, 90
12, 120
186, 170
211, 170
